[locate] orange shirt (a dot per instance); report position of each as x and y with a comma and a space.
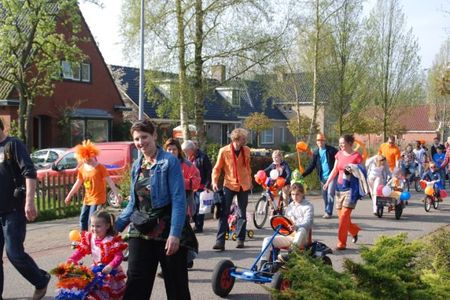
392, 154
94, 184
238, 173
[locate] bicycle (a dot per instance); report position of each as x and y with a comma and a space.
271, 198
432, 198
410, 179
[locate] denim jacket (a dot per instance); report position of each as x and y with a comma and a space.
167, 187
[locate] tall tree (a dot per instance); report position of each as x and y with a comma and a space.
216, 31
257, 122
393, 75
438, 89
346, 67
31, 48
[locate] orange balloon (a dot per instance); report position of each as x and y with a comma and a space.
429, 191
361, 145
280, 182
75, 235
302, 146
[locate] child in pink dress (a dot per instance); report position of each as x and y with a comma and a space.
105, 247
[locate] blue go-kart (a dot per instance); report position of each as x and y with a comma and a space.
225, 272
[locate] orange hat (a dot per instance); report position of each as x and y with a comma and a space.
320, 137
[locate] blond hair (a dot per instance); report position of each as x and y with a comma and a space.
237, 133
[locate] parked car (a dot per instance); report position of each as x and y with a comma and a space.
117, 157
44, 158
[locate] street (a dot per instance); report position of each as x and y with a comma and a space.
48, 244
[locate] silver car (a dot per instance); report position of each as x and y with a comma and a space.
44, 158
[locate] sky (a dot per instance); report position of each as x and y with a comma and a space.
430, 25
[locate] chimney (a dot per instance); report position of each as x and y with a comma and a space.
218, 73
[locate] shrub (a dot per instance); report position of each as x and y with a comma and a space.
212, 150
391, 269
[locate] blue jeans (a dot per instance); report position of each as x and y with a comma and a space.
86, 213
12, 236
328, 196
242, 197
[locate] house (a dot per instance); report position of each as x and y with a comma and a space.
418, 123
85, 103
226, 107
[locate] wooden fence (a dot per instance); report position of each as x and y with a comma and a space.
50, 195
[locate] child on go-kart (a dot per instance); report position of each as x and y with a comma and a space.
301, 213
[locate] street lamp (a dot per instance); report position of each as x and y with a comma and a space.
141, 67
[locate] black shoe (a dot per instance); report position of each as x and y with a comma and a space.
240, 244
219, 246
197, 230
355, 239
190, 264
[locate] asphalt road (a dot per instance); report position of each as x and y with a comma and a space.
48, 244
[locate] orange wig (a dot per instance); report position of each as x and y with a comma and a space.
86, 151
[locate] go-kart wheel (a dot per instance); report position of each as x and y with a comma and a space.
227, 235
380, 209
250, 233
261, 212
327, 261
279, 282
234, 236
398, 211
222, 281
427, 203
436, 203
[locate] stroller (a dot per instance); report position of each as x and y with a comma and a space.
234, 215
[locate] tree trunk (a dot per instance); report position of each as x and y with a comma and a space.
315, 67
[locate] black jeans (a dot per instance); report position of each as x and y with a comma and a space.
199, 219
12, 236
242, 198
143, 259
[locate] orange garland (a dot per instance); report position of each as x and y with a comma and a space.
72, 276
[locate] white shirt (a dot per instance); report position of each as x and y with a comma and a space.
420, 155
301, 214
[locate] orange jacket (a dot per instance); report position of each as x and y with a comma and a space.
237, 172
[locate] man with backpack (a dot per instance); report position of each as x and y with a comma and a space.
17, 189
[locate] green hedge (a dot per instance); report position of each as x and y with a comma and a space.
393, 268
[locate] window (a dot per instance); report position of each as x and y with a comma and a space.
67, 162
76, 71
283, 137
236, 98
267, 136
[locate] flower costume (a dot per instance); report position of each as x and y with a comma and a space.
106, 251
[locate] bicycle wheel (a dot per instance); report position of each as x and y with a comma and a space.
261, 212
417, 186
427, 203
407, 184
436, 203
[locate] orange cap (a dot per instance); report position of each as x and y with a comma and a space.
320, 137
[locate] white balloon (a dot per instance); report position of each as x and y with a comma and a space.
386, 191
273, 174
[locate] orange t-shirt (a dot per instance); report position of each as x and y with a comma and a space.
94, 184
392, 154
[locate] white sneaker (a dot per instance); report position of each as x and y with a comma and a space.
326, 216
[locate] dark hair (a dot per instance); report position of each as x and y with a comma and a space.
176, 143
296, 186
143, 125
441, 147
2, 127
349, 138
108, 219
391, 137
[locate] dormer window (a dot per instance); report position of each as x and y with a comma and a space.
76, 71
231, 94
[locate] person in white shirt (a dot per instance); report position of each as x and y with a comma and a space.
377, 172
301, 213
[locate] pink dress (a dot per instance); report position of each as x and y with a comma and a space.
106, 251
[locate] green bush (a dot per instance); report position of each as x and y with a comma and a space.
393, 268
312, 180
212, 150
